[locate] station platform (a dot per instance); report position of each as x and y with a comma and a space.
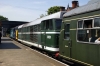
13, 53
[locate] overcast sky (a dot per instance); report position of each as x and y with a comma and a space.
29, 10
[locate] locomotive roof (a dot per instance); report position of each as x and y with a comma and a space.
38, 21
20, 26
90, 6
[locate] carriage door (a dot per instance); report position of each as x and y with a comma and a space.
43, 34
67, 41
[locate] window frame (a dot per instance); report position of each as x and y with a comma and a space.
56, 25
93, 23
65, 32
77, 24
45, 23
86, 29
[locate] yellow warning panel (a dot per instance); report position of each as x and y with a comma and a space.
16, 34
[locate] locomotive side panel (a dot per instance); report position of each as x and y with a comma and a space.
49, 35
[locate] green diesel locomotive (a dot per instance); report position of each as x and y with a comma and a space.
42, 33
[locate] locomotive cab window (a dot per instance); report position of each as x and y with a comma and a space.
90, 31
39, 28
43, 25
58, 24
47, 24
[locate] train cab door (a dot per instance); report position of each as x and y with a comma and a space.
43, 39
66, 41
43, 34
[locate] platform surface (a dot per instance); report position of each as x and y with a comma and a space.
15, 54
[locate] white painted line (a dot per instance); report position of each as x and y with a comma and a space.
49, 57
44, 55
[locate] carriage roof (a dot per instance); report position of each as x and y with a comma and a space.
90, 6
38, 21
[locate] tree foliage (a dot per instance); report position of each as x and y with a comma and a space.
3, 18
53, 9
42, 15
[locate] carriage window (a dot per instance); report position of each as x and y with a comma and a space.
80, 24
58, 24
88, 33
87, 23
67, 31
82, 35
97, 22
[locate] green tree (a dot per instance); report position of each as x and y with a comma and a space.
42, 15
53, 9
3, 18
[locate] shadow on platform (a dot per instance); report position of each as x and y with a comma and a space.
6, 40
8, 46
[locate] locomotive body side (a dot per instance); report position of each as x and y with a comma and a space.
42, 33
50, 30
20, 33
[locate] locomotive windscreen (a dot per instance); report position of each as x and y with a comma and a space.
58, 24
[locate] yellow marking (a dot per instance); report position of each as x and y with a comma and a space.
65, 56
83, 17
16, 34
77, 60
